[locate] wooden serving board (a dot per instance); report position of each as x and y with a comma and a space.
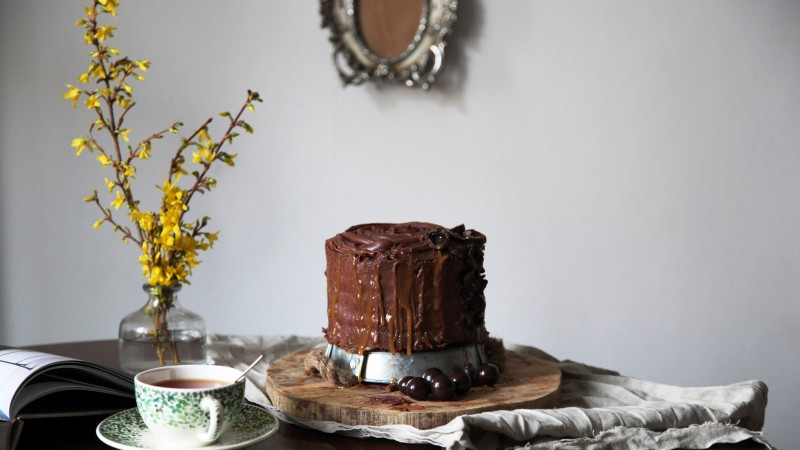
526, 382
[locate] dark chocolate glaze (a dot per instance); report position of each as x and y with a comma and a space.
406, 287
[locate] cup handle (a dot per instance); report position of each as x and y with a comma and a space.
214, 408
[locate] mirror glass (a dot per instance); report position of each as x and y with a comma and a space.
388, 27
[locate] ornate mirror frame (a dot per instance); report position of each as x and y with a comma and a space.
416, 66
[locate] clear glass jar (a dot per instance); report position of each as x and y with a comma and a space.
161, 333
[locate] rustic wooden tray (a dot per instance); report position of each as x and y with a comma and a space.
526, 383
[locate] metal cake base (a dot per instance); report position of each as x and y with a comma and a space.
385, 367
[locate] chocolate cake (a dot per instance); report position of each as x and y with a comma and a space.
403, 288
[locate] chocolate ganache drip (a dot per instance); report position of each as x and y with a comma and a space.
405, 287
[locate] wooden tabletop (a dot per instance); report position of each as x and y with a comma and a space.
79, 434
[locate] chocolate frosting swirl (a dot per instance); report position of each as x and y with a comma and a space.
399, 239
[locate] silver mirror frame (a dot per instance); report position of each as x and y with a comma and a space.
416, 66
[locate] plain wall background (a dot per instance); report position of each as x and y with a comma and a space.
634, 164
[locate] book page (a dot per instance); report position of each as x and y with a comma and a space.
16, 366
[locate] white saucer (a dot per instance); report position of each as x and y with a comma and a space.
125, 430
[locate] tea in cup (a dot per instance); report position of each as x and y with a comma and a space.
191, 405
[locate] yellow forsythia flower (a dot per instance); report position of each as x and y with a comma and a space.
97, 72
79, 144
146, 221
145, 152
119, 201
92, 102
72, 94
156, 276
130, 171
110, 6
203, 135
173, 195
142, 64
170, 221
104, 31
203, 155
212, 237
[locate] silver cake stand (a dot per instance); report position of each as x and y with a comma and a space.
385, 367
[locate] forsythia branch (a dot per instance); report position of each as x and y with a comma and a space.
170, 244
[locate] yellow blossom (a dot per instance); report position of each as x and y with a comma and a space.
97, 224
156, 276
83, 78
110, 6
130, 171
92, 102
79, 144
142, 64
72, 94
203, 155
145, 262
145, 152
119, 201
212, 237
170, 221
173, 195
110, 184
124, 134
103, 160
97, 72
104, 31
146, 221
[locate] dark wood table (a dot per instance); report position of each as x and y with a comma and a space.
79, 434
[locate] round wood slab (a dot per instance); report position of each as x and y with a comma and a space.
526, 382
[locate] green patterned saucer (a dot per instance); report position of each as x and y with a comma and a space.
126, 431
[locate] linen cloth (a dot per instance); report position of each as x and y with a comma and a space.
599, 409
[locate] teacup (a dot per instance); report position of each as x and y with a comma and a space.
190, 405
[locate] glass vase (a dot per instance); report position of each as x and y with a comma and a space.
161, 333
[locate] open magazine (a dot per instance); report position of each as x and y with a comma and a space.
35, 385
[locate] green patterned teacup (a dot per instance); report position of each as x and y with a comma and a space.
191, 405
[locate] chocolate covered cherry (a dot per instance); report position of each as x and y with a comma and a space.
417, 388
443, 387
403, 383
432, 372
461, 381
488, 374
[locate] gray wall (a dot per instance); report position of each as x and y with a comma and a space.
634, 165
